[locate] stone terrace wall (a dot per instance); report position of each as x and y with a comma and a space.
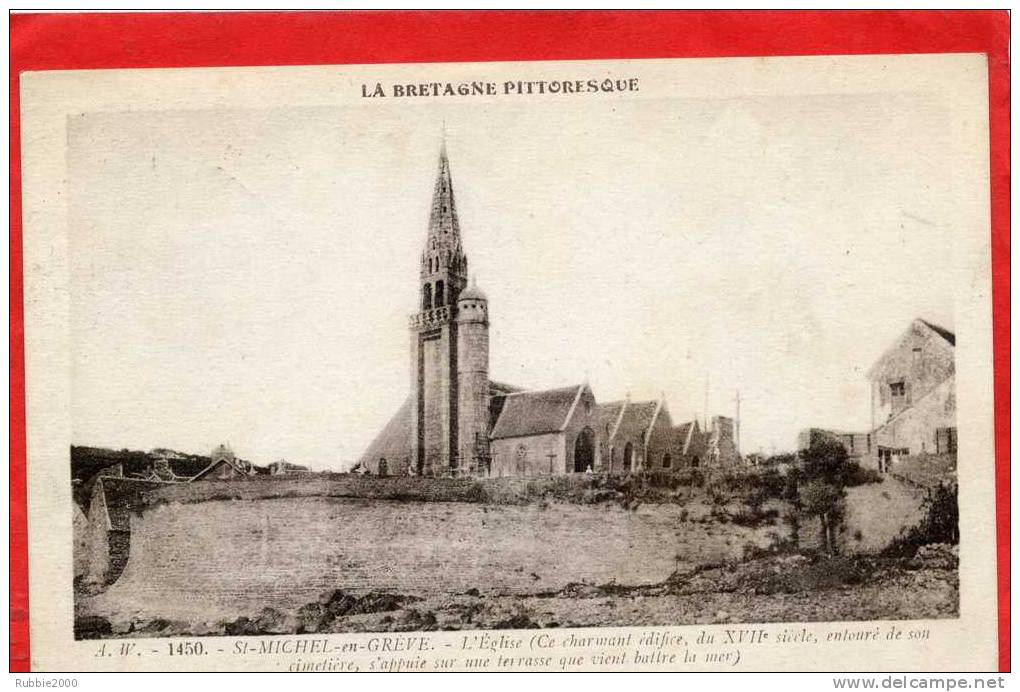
195, 557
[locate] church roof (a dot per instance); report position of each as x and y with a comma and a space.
535, 413
502, 388
394, 441
637, 418
685, 434
606, 416
472, 292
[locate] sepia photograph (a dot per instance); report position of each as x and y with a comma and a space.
342, 372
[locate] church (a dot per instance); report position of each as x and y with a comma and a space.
458, 422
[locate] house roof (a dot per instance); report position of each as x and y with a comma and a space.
240, 465
941, 331
536, 412
918, 327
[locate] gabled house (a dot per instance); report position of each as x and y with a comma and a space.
913, 395
224, 465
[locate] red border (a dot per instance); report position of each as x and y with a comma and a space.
123, 40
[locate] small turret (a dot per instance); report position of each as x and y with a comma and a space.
472, 305
473, 378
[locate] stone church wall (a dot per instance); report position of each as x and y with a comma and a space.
535, 455
583, 417
662, 440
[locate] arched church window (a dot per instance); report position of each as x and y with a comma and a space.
426, 299
439, 294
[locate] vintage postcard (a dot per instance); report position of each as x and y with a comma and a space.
596, 365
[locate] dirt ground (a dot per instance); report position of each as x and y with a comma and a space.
778, 588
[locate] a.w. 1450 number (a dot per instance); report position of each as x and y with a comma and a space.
186, 649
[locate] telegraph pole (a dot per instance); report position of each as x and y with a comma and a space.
738, 422
705, 421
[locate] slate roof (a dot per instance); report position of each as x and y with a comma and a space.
394, 441
941, 331
606, 416
243, 467
683, 431
637, 417
496, 388
535, 413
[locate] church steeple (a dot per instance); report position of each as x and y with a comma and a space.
443, 219
449, 349
443, 263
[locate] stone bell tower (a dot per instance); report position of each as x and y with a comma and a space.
449, 411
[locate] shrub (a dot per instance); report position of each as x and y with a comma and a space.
941, 523
858, 475
755, 518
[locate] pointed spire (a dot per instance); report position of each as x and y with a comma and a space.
443, 223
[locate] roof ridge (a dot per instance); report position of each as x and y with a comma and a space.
940, 330
573, 406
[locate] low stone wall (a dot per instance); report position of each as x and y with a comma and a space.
216, 550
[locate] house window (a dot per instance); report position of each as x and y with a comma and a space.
945, 440
897, 389
917, 354
667, 461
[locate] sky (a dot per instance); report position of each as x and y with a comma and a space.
246, 275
